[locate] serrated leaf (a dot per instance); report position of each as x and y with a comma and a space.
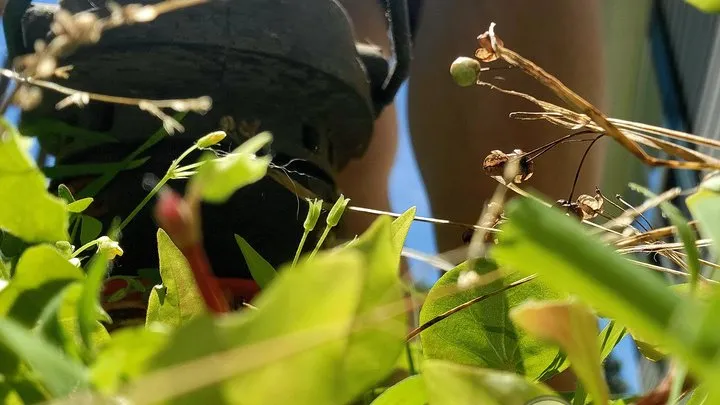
41, 273
181, 299
448, 383
572, 326
27, 210
410, 391
79, 205
262, 272
90, 229
400, 228
482, 335
218, 178
57, 373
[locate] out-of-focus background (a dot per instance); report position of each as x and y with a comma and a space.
663, 65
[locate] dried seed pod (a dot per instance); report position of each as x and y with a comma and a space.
485, 52
495, 163
465, 71
590, 206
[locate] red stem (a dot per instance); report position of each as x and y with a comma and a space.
207, 283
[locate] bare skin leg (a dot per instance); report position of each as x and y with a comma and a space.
454, 128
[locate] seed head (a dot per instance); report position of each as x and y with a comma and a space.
313, 214
337, 210
496, 162
590, 206
465, 71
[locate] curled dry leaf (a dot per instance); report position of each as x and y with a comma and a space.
486, 52
496, 162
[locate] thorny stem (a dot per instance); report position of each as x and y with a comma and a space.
467, 304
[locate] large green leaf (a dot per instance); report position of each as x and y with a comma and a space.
27, 210
58, 374
572, 326
540, 240
41, 273
410, 391
126, 357
326, 331
178, 300
482, 334
262, 272
449, 383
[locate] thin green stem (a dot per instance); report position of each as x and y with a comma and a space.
411, 361
300, 247
320, 241
168, 175
84, 248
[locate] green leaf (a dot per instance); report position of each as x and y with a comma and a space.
609, 338
540, 240
89, 306
262, 272
41, 273
708, 6
454, 384
699, 396
218, 178
379, 347
482, 334
65, 193
572, 326
400, 228
686, 234
126, 357
79, 205
58, 374
410, 391
703, 206
27, 210
327, 330
90, 229
181, 300
89, 169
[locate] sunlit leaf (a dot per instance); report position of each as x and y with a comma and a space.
449, 383
540, 240
708, 6
41, 273
262, 272
79, 205
410, 391
27, 210
482, 335
218, 178
400, 228
609, 338
703, 206
180, 299
328, 330
89, 306
572, 326
58, 374
126, 357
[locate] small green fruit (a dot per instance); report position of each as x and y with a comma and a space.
465, 71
